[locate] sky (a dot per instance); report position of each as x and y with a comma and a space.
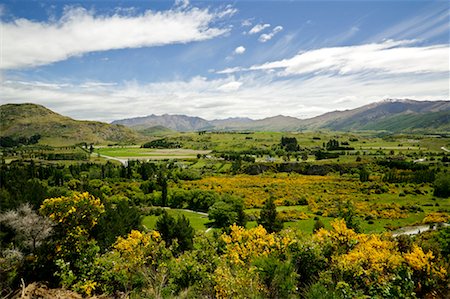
108, 60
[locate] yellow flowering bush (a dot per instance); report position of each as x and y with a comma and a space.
340, 237
137, 248
78, 210
134, 262
75, 249
436, 217
236, 276
372, 260
242, 245
424, 262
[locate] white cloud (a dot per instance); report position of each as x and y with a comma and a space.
230, 86
268, 36
390, 57
28, 43
254, 95
258, 28
239, 50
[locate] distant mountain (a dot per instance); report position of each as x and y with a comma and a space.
230, 123
25, 120
390, 115
180, 123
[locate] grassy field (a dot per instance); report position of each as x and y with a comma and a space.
265, 140
134, 152
197, 220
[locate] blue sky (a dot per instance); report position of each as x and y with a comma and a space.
107, 60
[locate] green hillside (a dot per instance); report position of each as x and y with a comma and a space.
156, 131
25, 120
438, 121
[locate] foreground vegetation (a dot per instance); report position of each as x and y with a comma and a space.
260, 215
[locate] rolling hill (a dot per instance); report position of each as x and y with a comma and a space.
25, 120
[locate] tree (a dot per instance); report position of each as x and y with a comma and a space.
227, 211
166, 226
184, 233
268, 217
290, 144
162, 182
442, 185
180, 230
118, 220
31, 229
318, 224
364, 175
348, 213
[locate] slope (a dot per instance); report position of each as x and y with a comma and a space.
25, 120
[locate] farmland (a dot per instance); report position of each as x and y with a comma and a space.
206, 202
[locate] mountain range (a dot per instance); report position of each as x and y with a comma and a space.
390, 115
25, 120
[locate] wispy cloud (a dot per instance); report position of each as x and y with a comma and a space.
268, 36
391, 57
28, 43
258, 28
421, 26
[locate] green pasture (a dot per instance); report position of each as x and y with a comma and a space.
363, 141
137, 152
198, 221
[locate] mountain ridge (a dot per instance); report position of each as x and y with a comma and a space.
372, 116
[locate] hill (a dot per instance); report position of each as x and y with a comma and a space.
389, 115
25, 120
156, 130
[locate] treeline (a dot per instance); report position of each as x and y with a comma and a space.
8, 141
161, 143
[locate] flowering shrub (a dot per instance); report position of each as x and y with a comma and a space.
436, 218
75, 249
138, 261
236, 275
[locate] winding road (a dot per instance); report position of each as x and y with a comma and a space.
414, 230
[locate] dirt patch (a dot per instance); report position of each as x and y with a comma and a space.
37, 290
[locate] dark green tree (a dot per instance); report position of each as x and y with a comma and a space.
179, 229
227, 211
268, 217
347, 212
318, 224
118, 220
166, 226
184, 233
364, 175
442, 185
